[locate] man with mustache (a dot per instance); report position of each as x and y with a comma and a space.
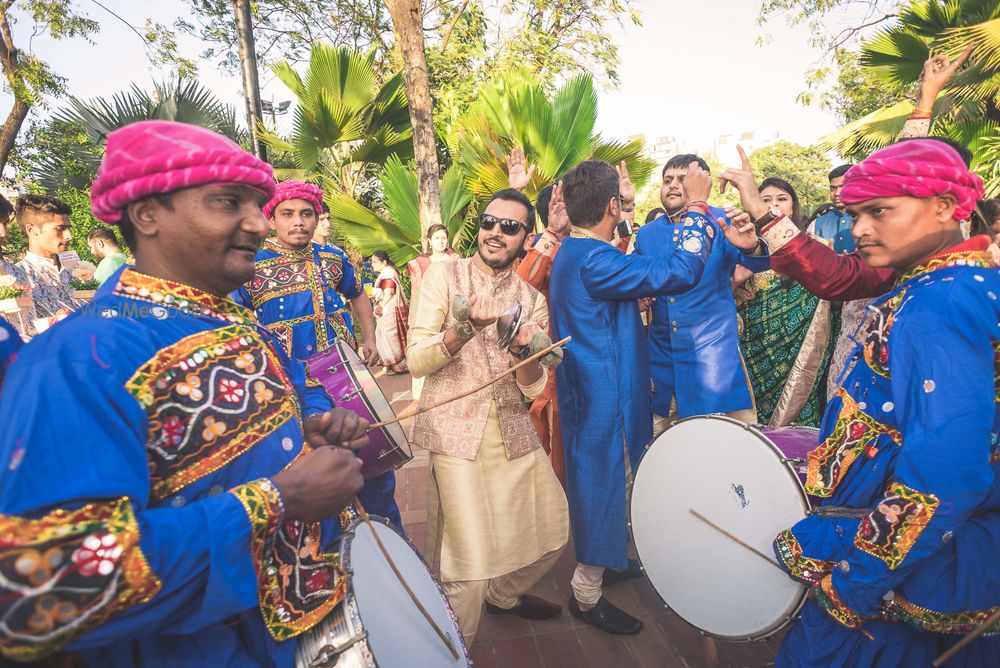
182, 507
497, 510
908, 456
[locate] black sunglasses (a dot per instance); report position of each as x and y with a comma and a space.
508, 226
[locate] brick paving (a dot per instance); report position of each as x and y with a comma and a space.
565, 642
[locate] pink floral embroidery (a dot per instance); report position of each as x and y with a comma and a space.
230, 390
97, 555
173, 427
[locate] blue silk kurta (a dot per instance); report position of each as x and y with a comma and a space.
10, 345
910, 439
694, 346
297, 295
603, 381
124, 426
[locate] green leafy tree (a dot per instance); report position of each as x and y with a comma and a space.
345, 122
968, 109
858, 91
395, 225
805, 167
556, 132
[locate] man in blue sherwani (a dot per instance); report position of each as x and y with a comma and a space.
181, 506
694, 346
603, 382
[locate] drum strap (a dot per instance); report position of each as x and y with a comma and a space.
840, 511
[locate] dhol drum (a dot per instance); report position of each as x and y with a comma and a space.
351, 385
378, 625
747, 482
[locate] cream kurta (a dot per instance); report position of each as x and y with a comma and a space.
490, 514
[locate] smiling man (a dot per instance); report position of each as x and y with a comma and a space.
497, 509
901, 549
181, 509
300, 286
45, 221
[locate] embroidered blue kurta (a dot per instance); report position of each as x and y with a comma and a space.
910, 439
299, 296
694, 345
603, 381
138, 526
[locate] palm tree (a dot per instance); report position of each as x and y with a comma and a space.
396, 229
87, 124
555, 134
968, 110
345, 121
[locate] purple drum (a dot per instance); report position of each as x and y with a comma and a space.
795, 443
351, 385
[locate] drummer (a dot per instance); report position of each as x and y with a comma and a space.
298, 293
167, 499
907, 561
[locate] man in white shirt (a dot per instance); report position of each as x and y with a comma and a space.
45, 221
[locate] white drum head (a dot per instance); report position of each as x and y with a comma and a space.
398, 634
736, 478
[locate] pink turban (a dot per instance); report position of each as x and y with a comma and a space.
159, 157
295, 190
915, 168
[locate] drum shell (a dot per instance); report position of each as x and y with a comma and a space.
345, 378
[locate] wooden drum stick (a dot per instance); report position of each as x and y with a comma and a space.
736, 540
964, 642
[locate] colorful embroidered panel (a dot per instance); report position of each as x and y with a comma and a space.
898, 609
827, 598
297, 584
876, 345
894, 526
162, 292
976, 258
67, 572
854, 431
804, 569
209, 398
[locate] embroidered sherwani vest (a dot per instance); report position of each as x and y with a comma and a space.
456, 429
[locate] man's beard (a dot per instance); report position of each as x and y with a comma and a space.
501, 263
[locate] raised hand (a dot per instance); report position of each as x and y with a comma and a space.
625, 187
938, 70
743, 180
697, 184
558, 218
519, 173
740, 230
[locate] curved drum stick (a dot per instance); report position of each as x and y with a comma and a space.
967, 640
418, 411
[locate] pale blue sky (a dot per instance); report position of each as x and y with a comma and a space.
693, 70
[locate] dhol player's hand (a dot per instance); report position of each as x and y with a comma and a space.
319, 484
369, 354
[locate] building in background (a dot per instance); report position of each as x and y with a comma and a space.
724, 147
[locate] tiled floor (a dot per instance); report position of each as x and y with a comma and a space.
565, 642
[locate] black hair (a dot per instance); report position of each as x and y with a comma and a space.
682, 160
436, 227
542, 204
960, 148
820, 210
102, 233
39, 204
6, 208
381, 255
127, 227
655, 213
838, 171
588, 188
785, 186
325, 208
512, 195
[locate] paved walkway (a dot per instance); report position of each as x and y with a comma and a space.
565, 642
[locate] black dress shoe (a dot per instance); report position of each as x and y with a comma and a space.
607, 617
529, 607
633, 571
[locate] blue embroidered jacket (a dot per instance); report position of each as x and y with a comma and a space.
911, 439
603, 381
694, 345
138, 524
297, 295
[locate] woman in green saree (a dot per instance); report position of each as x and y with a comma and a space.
785, 334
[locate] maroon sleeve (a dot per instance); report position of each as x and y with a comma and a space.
828, 274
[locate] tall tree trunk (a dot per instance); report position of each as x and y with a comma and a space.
248, 65
9, 64
408, 25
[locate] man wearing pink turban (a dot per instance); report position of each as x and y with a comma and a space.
162, 457
299, 288
900, 550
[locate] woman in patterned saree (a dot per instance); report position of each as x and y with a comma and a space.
391, 314
785, 334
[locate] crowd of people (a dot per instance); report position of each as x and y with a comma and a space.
170, 496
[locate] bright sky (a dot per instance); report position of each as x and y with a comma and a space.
692, 71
